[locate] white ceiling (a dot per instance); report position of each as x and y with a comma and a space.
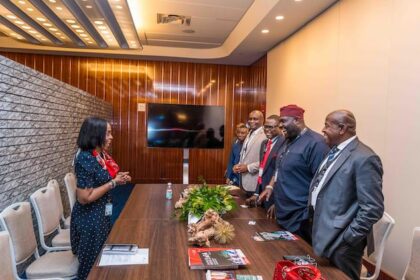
211, 22
220, 31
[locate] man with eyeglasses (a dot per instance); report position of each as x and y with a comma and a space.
268, 153
296, 165
249, 161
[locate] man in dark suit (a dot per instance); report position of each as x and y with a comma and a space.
268, 154
346, 195
232, 178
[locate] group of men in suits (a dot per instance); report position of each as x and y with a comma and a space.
327, 189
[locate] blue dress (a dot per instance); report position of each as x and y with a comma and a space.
89, 226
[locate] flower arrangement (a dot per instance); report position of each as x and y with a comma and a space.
197, 199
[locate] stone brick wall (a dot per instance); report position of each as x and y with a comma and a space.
40, 119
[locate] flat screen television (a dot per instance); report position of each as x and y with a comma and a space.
185, 126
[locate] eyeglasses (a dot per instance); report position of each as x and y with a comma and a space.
270, 126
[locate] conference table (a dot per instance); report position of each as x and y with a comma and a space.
148, 220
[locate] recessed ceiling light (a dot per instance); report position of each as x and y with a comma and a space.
105, 32
80, 31
53, 29
38, 36
70, 21
32, 31
90, 43
88, 7
101, 27
40, 19
43, 39
22, 2
57, 33
19, 22
298, 0
75, 26
11, 16
59, 8
53, 1
29, 9
62, 37
118, 7
13, 34
279, 17
47, 24
99, 22
25, 27
83, 35
265, 31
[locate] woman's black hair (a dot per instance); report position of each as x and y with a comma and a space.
92, 133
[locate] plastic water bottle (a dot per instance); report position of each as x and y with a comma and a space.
169, 191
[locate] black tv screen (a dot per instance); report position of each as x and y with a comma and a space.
185, 126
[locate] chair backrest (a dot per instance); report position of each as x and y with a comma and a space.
381, 231
71, 185
7, 265
54, 184
46, 209
16, 219
412, 270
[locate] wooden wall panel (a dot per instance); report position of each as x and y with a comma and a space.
125, 83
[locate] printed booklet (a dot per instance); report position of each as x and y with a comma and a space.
216, 258
275, 235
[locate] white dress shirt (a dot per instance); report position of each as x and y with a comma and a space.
340, 147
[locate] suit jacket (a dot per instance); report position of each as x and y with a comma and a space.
350, 201
269, 168
234, 157
250, 155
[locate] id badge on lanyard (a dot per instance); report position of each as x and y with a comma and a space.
108, 209
260, 172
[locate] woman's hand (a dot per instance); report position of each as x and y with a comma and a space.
122, 178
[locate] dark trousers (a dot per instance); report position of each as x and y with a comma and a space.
348, 258
305, 230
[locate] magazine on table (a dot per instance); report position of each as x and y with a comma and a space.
248, 277
301, 260
275, 235
216, 258
220, 275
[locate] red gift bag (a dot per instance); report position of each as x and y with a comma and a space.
287, 270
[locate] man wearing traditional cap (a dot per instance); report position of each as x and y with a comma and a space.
296, 165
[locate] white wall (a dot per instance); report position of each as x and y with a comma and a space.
363, 55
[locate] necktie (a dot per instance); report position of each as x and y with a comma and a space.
320, 174
264, 161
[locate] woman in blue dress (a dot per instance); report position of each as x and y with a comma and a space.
96, 175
